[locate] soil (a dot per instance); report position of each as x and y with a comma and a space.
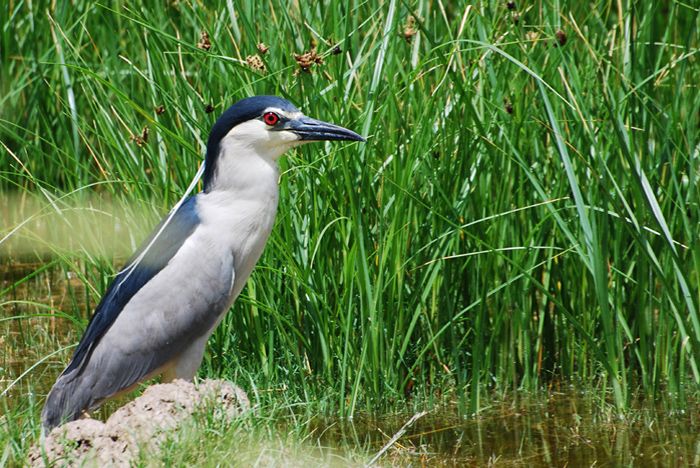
142, 424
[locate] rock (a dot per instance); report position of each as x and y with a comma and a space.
143, 423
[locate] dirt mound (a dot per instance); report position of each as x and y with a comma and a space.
142, 424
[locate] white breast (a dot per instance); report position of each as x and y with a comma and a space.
237, 225
238, 212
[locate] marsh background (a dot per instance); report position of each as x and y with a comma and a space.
523, 221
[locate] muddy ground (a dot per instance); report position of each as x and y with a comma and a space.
142, 424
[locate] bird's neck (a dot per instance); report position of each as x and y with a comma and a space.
239, 205
243, 172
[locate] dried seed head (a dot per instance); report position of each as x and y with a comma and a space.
255, 62
141, 139
409, 29
204, 42
307, 59
533, 37
508, 105
561, 37
262, 48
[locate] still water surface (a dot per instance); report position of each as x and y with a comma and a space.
560, 429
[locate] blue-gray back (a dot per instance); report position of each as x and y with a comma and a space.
130, 280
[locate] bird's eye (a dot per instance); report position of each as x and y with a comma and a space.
271, 118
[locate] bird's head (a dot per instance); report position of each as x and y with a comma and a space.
265, 127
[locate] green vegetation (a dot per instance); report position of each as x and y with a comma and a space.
524, 215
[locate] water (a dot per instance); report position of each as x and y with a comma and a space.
562, 429
32, 324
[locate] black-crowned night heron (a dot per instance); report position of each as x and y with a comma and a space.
159, 311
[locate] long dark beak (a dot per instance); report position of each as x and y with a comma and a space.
310, 129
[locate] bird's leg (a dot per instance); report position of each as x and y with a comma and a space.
186, 365
168, 375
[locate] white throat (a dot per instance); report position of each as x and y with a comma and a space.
244, 168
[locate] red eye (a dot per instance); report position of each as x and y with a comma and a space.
271, 118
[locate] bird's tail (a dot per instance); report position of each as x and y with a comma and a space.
66, 402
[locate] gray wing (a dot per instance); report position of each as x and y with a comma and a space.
179, 304
129, 280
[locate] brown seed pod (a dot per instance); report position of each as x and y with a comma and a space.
561, 37
141, 139
204, 42
307, 59
262, 48
508, 105
255, 62
409, 29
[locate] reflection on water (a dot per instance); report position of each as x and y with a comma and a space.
560, 429
38, 303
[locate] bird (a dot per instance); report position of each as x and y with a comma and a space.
159, 310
